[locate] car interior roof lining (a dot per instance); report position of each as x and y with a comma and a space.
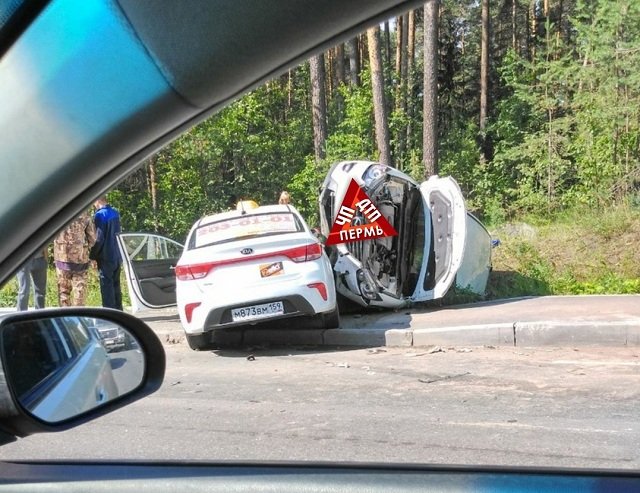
124, 147
231, 31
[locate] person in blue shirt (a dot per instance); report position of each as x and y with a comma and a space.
106, 254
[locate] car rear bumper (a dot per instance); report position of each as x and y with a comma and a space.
299, 297
219, 317
294, 306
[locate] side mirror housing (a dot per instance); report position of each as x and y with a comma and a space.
63, 367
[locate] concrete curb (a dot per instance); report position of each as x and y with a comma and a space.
553, 333
521, 334
354, 337
501, 334
416, 328
524, 334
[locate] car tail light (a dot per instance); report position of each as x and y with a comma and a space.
305, 253
188, 310
314, 251
194, 271
321, 287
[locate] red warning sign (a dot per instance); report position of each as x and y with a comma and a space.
357, 200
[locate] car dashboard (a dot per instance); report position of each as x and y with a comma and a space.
196, 477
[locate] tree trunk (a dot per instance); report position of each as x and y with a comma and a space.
527, 40
533, 19
430, 102
411, 52
153, 189
411, 40
289, 89
484, 66
514, 37
399, 36
339, 72
330, 74
318, 105
404, 42
354, 61
340, 69
387, 56
387, 44
561, 29
401, 88
379, 106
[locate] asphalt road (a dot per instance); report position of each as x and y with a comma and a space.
128, 369
510, 406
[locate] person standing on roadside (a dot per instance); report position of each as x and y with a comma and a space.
106, 254
34, 269
71, 256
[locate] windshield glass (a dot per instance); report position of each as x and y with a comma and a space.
479, 161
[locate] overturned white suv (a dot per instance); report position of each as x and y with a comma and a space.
438, 241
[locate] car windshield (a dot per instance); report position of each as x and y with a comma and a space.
435, 259
243, 227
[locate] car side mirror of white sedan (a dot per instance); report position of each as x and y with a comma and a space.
64, 367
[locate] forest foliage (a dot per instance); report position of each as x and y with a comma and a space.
558, 152
562, 128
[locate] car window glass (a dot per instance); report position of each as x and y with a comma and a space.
49, 354
151, 247
246, 226
63, 338
74, 332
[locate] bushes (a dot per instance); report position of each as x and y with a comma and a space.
578, 252
9, 292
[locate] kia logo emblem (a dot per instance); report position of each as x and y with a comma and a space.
246, 251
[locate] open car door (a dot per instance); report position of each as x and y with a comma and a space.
149, 261
445, 237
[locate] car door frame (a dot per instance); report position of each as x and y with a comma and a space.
138, 300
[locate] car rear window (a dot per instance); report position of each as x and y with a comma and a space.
243, 227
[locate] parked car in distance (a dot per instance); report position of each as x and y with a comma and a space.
438, 241
113, 337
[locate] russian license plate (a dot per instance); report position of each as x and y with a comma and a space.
257, 311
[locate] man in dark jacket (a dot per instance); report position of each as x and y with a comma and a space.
106, 254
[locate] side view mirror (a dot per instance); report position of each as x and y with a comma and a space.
63, 367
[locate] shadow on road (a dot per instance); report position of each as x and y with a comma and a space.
250, 352
117, 363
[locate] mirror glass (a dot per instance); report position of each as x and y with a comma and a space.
60, 367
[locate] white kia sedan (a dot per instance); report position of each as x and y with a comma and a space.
237, 268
